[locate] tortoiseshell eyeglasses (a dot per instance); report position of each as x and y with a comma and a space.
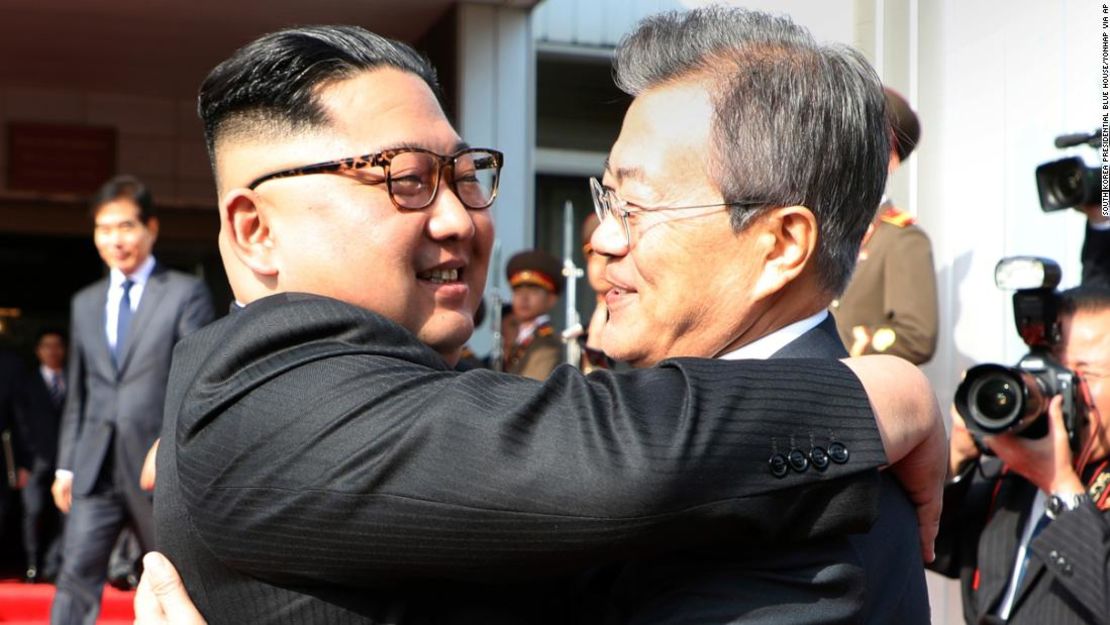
412, 175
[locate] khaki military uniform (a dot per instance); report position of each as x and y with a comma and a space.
893, 294
538, 355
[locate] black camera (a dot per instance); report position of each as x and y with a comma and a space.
1069, 182
993, 398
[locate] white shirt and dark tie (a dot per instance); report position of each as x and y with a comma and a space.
124, 293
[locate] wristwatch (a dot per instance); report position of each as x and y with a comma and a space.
1058, 504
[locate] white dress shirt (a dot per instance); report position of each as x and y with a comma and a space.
115, 294
763, 348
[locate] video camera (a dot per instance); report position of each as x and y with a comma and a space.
1069, 182
993, 398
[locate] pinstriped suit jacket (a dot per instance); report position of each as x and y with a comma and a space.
320, 465
1068, 579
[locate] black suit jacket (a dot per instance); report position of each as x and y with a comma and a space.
876, 577
1068, 577
11, 386
320, 464
37, 418
115, 411
1096, 258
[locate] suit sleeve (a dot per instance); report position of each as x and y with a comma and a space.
963, 516
910, 298
379, 468
1096, 258
1075, 548
197, 310
73, 411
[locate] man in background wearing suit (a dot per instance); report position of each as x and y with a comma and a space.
1027, 529
732, 210
336, 416
123, 329
38, 416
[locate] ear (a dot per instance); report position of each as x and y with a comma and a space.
152, 227
245, 223
791, 236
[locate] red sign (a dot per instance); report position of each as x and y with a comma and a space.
58, 158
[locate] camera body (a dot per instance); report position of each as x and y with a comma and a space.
993, 398
1069, 182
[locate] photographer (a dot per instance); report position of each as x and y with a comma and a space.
1027, 530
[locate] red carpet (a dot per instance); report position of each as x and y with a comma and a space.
29, 604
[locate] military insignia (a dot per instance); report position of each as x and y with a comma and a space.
1098, 489
545, 331
897, 217
883, 339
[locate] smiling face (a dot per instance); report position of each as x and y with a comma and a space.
1086, 350
685, 284
337, 236
123, 241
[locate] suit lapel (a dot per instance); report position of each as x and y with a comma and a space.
102, 352
153, 292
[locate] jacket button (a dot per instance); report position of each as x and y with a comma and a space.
798, 460
838, 453
819, 458
779, 466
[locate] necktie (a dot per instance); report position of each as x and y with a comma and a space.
57, 393
123, 321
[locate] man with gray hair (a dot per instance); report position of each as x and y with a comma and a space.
566, 467
734, 201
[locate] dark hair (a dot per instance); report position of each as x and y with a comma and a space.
795, 122
272, 83
47, 331
1091, 299
904, 124
126, 188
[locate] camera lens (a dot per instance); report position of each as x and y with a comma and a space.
996, 399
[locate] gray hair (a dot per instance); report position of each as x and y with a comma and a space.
795, 123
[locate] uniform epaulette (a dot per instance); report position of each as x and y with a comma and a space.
897, 217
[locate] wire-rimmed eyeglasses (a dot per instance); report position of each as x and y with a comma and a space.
606, 202
412, 175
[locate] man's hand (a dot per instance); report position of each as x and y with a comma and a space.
961, 445
912, 430
1047, 461
146, 477
62, 490
161, 598
1093, 213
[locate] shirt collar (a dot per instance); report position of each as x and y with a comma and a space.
765, 347
48, 373
140, 275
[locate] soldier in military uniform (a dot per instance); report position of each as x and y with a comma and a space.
890, 305
536, 279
